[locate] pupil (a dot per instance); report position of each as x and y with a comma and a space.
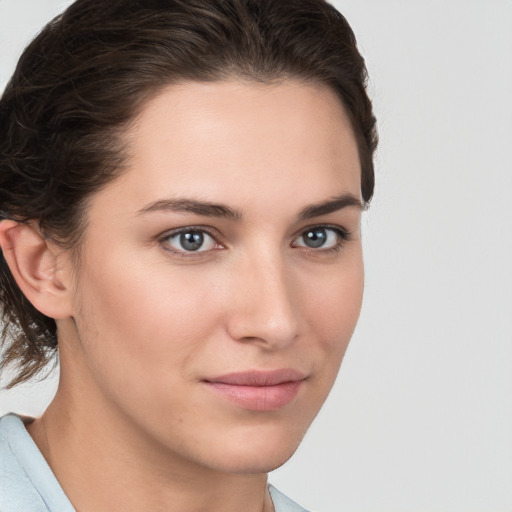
315, 238
191, 241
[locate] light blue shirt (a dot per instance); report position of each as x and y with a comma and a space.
27, 484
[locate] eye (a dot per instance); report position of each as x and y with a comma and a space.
320, 238
190, 240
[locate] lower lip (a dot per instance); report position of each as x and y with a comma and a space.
258, 398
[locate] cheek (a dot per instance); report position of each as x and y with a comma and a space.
145, 317
143, 331
333, 304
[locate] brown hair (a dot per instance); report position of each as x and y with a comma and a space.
88, 74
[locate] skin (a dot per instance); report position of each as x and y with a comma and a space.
142, 323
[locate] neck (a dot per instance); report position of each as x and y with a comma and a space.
90, 446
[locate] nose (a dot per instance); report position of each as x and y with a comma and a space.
264, 307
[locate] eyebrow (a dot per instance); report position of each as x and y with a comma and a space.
207, 209
330, 206
203, 208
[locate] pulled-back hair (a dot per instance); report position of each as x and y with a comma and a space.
92, 69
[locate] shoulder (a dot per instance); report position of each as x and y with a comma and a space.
18, 493
26, 481
282, 503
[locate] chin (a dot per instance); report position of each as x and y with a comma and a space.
254, 463
260, 452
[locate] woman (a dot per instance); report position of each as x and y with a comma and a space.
181, 185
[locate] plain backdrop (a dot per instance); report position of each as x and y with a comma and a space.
420, 418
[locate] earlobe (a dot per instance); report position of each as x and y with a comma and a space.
37, 267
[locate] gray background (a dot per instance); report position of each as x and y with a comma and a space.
421, 416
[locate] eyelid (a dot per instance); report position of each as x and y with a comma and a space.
342, 231
163, 239
343, 235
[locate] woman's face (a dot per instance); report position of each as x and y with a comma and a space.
221, 275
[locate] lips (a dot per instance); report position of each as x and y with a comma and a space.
258, 390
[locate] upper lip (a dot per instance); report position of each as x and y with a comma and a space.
259, 377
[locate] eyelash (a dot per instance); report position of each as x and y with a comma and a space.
342, 236
164, 241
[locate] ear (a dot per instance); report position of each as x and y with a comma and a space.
41, 269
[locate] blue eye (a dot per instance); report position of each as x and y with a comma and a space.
191, 240
319, 238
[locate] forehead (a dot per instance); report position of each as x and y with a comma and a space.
245, 138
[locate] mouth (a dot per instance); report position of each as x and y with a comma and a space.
258, 390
